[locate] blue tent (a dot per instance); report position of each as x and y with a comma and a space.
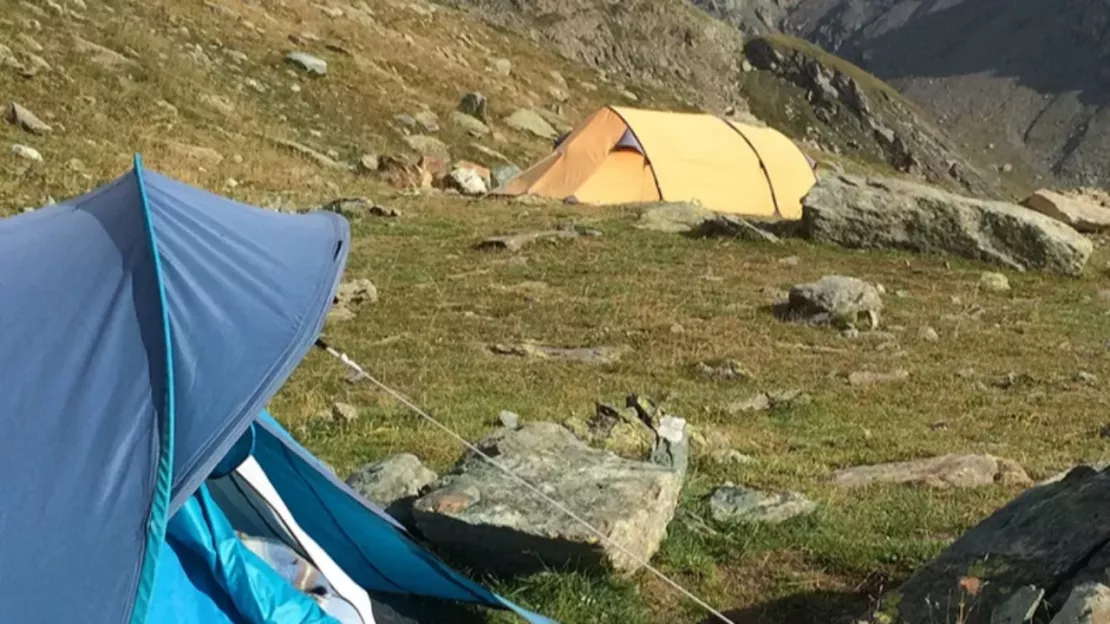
144, 327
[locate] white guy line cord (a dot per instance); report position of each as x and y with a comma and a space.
342, 357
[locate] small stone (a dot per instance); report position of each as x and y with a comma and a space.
27, 152
472, 125
218, 103
528, 120
312, 64
501, 175
429, 146
29, 42
1085, 377
27, 120
475, 105
509, 420
731, 456
237, 159
368, 163
356, 292
344, 412
469, 179
501, 67
835, 300
790, 261
1019, 608
167, 107
725, 370
928, 334
332, 12
740, 504
1007, 168
672, 444
868, 378
994, 282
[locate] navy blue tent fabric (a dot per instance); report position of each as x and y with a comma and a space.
143, 326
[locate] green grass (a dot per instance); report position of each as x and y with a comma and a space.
442, 302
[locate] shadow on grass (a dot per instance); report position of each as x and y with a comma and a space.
816, 607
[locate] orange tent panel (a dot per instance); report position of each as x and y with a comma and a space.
624, 177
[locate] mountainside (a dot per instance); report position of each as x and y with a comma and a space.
1034, 75
831, 107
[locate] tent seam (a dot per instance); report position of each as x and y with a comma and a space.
762, 166
160, 503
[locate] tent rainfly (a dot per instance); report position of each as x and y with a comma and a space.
626, 155
146, 325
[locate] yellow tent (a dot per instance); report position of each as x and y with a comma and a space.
623, 155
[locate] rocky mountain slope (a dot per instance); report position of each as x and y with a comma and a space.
1029, 77
708, 64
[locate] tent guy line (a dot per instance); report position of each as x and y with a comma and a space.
361, 373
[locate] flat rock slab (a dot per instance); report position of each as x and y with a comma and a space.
1053, 536
946, 471
393, 484
516, 242
674, 218
587, 355
480, 513
1083, 215
731, 226
354, 207
740, 504
530, 121
871, 378
893, 214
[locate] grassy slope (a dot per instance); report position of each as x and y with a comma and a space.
440, 301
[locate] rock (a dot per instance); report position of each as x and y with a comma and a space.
29, 42
509, 420
835, 300
429, 146
471, 125
27, 120
501, 175
368, 163
405, 120
561, 124
947, 471
559, 94
773, 400
321, 159
516, 242
467, 181
731, 456
218, 103
674, 217
501, 67
427, 120
1083, 215
402, 173
739, 504
994, 282
356, 292
790, 261
1086, 378
26, 152
1088, 603
528, 120
354, 207
870, 378
731, 226
478, 513
672, 445
393, 484
894, 214
1019, 608
194, 153
344, 412
928, 334
725, 370
475, 105
104, 57
587, 355
314, 65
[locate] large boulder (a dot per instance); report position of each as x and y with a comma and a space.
1083, 215
1054, 537
393, 484
895, 214
480, 513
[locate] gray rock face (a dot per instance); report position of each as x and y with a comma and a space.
1084, 216
478, 512
530, 121
1054, 536
27, 120
312, 64
1018, 608
835, 300
893, 214
1088, 604
393, 484
947, 471
740, 504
